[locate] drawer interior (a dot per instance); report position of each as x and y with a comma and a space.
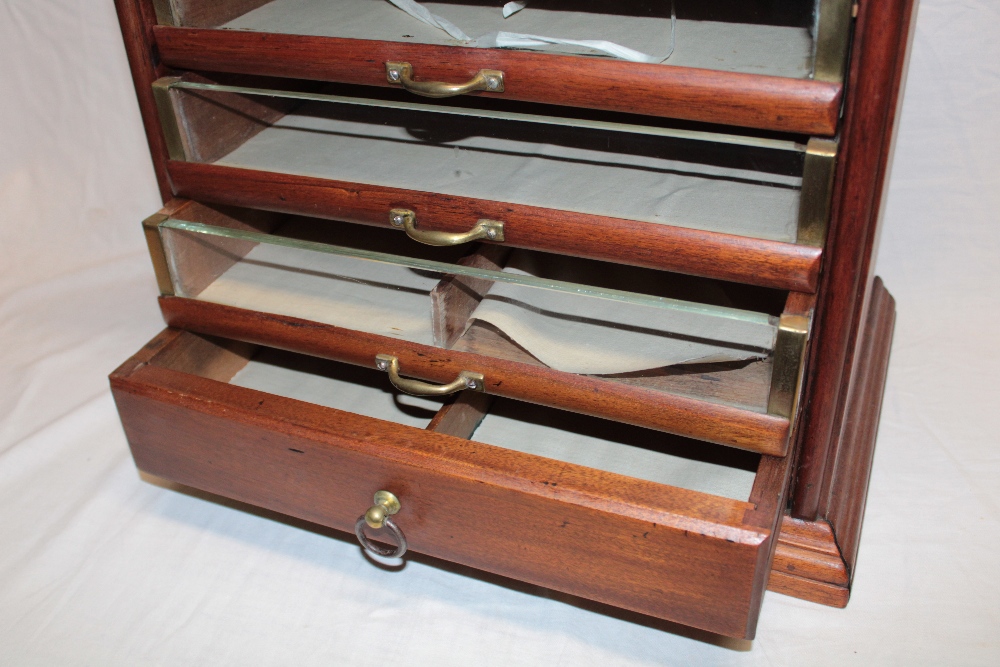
747, 186
513, 425
694, 337
751, 36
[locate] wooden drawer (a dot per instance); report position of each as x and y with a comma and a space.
616, 342
776, 66
279, 432
736, 207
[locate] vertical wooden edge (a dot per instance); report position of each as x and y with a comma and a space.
878, 56
851, 471
136, 18
769, 496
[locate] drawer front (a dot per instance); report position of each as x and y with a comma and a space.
733, 207
771, 75
520, 320
680, 555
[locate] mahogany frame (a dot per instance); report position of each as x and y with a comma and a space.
854, 313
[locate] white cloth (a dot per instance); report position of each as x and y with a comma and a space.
100, 568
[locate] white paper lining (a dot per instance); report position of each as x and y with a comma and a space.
335, 385
313, 142
588, 335
521, 427
367, 296
514, 40
731, 47
599, 444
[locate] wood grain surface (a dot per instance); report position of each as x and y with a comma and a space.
708, 254
878, 60
802, 106
681, 415
680, 555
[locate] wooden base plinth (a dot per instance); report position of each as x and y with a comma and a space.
814, 560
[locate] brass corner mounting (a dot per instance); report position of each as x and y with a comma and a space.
788, 368
816, 195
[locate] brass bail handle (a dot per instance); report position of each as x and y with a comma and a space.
401, 74
378, 516
465, 380
405, 219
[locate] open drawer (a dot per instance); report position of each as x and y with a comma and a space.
716, 361
737, 207
756, 63
629, 517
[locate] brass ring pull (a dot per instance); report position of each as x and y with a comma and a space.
405, 219
465, 380
377, 516
401, 74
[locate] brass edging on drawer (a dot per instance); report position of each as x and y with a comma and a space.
817, 191
151, 230
832, 36
168, 117
789, 366
165, 12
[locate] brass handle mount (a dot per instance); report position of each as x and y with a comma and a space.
405, 219
465, 380
401, 74
378, 516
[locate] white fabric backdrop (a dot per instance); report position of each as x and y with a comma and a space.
100, 568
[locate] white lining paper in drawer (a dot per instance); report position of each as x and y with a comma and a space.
619, 448
430, 153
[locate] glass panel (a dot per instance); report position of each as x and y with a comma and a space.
568, 314
752, 36
743, 185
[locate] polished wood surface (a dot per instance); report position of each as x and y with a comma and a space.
638, 545
681, 415
877, 65
807, 564
708, 254
801, 106
844, 507
137, 18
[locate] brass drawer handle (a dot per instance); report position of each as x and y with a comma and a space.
404, 218
465, 380
377, 516
490, 80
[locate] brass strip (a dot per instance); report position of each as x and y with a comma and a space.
165, 12
168, 117
648, 130
817, 191
789, 365
832, 36
151, 229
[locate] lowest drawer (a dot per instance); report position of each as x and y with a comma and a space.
755, 63
625, 516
